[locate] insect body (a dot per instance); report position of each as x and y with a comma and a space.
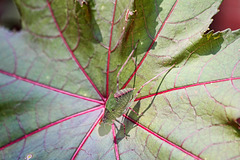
116, 104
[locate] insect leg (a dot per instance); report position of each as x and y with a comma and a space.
133, 111
152, 80
124, 128
132, 101
130, 55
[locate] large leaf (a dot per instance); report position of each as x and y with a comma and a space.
56, 75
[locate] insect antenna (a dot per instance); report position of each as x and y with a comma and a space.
130, 55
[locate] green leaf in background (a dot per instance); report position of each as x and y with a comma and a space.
57, 73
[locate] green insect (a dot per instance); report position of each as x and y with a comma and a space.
118, 103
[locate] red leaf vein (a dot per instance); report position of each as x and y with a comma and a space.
71, 52
87, 135
109, 49
115, 142
188, 86
162, 138
50, 88
50, 125
165, 21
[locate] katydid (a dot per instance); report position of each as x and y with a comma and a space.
118, 103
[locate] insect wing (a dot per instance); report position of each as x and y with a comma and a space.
123, 97
116, 104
